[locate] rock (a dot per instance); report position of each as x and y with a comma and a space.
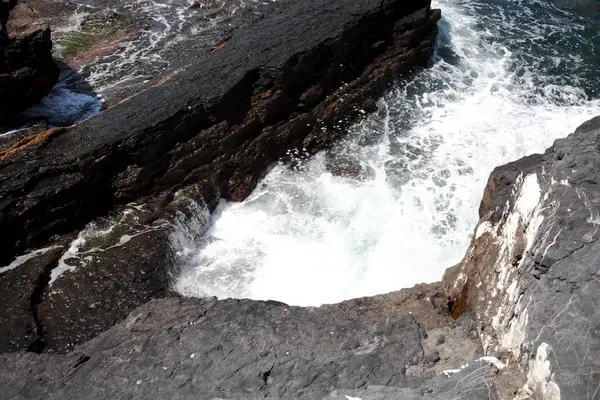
22, 285
219, 121
531, 272
243, 349
433, 357
102, 33
66, 294
349, 167
27, 72
222, 134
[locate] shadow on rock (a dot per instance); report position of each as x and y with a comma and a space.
69, 101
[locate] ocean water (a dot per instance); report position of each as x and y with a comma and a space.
508, 77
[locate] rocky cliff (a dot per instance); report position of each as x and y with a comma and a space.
295, 79
516, 319
531, 274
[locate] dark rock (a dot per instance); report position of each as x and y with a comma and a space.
433, 357
219, 121
72, 292
310, 97
27, 72
20, 294
108, 285
5, 7
349, 167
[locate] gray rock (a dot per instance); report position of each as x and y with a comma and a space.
433, 357
236, 349
531, 273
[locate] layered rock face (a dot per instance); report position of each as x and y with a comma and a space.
297, 78
27, 71
517, 318
521, 321
531, 274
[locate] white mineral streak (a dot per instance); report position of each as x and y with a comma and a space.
482, 228
493, 360
488, 359
514, 238
449, 372
540, 379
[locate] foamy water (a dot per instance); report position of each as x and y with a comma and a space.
162, 25
509, 78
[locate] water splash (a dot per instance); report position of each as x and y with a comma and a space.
497, 92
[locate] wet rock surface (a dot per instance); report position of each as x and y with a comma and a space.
220, 122
67, 293
216, 124
121, 48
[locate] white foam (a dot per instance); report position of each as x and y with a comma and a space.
167, 23
306, 237
71, 253
20, 260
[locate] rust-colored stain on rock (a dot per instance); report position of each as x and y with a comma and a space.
217, 47
28, 141
460, 304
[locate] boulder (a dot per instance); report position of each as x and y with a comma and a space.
27, 72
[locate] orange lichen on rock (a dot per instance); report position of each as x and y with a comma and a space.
459, 304
169, 76
124, 100
217, 47
28, 141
